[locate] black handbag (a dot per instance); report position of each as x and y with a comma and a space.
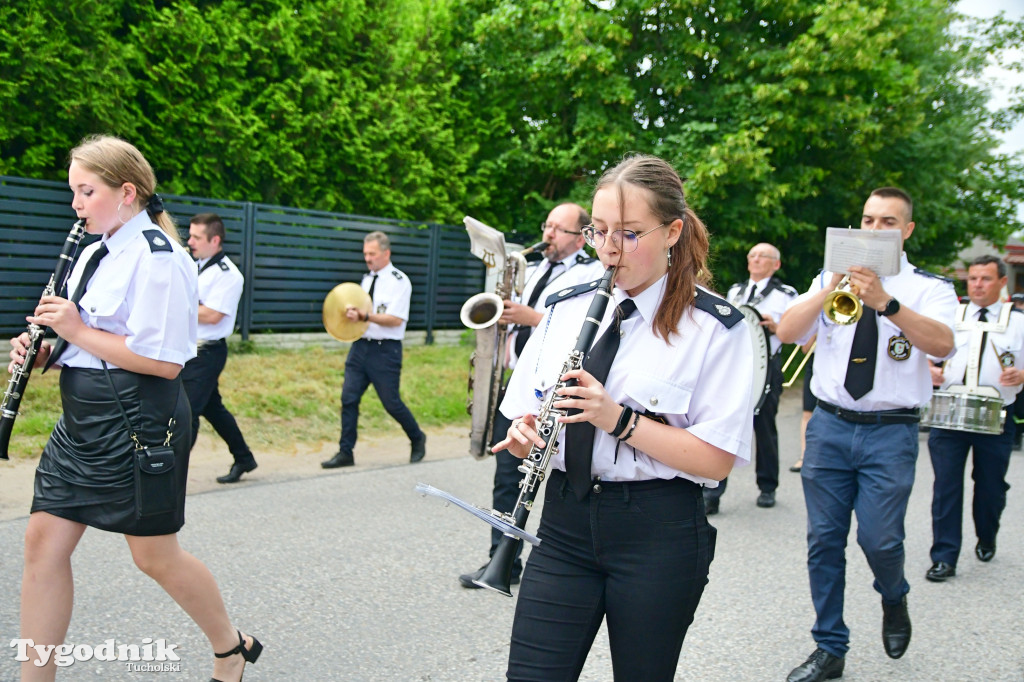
156, 491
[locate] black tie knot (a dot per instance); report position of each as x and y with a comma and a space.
983, 315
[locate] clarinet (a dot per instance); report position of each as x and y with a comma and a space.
20, 375
498, 574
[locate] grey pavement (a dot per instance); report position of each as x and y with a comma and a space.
352, 576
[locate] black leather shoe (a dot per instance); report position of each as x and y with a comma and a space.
341, 459
940, 572
820, 666
766, 499
419, 449
710, 506
895, 628
466, 579
984, 551
236, 472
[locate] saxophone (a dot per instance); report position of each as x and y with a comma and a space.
487, 363
20, 375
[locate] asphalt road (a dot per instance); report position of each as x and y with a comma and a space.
351, 575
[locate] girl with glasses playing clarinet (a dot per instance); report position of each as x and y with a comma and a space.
624, 536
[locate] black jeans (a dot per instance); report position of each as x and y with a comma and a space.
200, 376
635, 553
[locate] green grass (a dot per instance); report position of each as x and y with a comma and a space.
285, 398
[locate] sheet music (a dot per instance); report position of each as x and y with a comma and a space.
484, 514
877, 250
486, 243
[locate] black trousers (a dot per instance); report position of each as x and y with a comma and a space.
506, 485
636, 554
200, 376
378, 363
766, 436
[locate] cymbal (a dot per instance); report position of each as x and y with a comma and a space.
337, 301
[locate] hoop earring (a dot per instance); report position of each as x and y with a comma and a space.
123, 221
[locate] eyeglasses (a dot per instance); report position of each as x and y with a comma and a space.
545, 226
627, 240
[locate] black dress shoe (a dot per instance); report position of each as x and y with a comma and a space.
820, 666
341, 459
466, 579
419, 449
984, 551
766, 499
710, 506
895, 628
236, 472
940, 572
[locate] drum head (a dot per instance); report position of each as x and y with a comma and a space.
759, 343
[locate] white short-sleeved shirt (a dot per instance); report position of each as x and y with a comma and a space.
899, 383
391, 295
1008, 346
699, 380
771, 298
570, 271
220, 288
148, 296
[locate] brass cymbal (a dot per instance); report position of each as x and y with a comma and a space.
337, 302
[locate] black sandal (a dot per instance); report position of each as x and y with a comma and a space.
250, 655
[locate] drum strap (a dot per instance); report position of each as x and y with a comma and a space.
979, 329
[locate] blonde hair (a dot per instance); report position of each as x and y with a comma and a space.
117, 162
667, 201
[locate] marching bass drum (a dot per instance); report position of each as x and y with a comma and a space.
761, 383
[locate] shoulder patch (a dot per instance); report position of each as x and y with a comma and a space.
158, 241
789, 291
396, 274
933, 275
584, 260
1015, 309
569, 292
222, 265
718, 308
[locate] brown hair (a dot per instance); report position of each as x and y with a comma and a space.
117, 162
213, 225
667, 202
896, 193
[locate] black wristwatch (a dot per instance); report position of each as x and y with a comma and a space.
891, 308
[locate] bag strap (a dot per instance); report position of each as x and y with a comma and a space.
124, 414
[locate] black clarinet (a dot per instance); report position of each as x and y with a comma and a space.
497, 575
20, 375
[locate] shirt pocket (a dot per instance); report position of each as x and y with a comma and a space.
101, 304
656, 395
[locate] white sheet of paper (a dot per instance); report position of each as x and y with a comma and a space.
486, 243
877, 250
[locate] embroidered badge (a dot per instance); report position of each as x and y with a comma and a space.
158, 241
382, 308
899, 347
1006, 359
723, 309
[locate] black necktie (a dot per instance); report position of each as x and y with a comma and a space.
982, 317
373, 283
860, 371
750, 296
579, 438
523, 331
83, 284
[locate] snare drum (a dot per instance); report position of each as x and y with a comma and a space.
964, 412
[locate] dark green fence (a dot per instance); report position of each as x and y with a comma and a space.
290, 257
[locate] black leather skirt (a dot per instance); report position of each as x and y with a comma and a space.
85, 473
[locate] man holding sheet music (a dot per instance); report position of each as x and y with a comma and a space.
870, 378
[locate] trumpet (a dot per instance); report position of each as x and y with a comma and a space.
842, 306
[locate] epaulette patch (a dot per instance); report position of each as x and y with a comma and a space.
397, 274
569, 292
222, 265
789, 290
933, 275
718, 308
584, 260
158, 241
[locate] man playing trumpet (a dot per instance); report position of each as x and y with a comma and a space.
870, 378
996, 361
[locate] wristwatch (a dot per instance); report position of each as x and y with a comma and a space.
891, 308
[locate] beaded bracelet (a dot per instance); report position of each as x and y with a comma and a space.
620, 426
631, 428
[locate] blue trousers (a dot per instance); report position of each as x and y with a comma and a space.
636, 554
378, 363
948, 450
867, 469
200, 377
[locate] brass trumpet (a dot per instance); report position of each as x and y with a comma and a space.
800, 367
842, 306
